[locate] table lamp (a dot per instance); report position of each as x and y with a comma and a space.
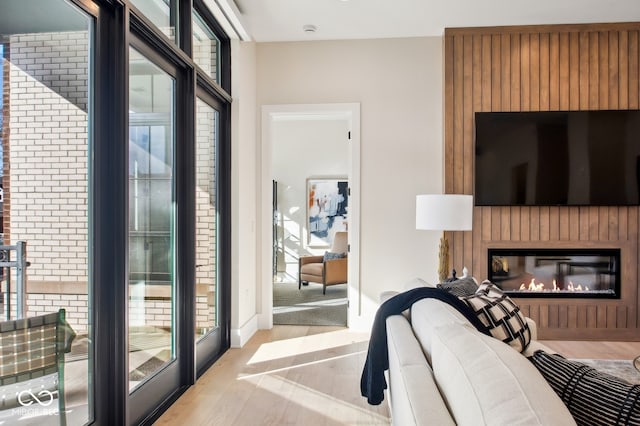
444, 212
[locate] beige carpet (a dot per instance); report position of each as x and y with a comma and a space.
621, 368
308, 306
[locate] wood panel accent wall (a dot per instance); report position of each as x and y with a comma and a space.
544, 68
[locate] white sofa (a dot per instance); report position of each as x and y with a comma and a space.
442, 371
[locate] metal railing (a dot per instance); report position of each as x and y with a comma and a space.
19, 262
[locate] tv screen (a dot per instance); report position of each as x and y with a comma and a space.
560, 158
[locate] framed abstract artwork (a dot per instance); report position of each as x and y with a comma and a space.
327, 209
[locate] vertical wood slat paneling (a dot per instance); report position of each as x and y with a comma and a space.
448, 112
603, 72
544, 57
534, 72
623, 69
584, 70
554, 72
574, 70
634, 69
569, 68
457, 238
564, 81
614, 63
594, 70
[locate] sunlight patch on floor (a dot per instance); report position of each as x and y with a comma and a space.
288, 309
306, 344
304, 364
341, 411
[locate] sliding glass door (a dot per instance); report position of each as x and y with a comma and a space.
46, 142
114, 213
208, 334
152, 289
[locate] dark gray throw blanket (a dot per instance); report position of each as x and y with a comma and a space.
373, 383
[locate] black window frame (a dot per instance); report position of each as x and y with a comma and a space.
117, 25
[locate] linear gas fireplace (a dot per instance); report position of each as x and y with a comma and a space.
593, 273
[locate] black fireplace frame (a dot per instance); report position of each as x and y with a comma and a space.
613, 253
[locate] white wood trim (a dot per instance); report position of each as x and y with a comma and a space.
240, 336
271, 113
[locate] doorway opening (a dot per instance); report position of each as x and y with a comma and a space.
311, 162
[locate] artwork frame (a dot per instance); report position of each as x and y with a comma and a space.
327, 209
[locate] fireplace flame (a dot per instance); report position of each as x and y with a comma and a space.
539, 286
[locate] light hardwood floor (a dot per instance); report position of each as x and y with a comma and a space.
290, 375
299, 375
595, 350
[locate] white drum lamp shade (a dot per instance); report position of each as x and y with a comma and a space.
444, 212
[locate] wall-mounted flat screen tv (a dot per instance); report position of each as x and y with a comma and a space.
560, 158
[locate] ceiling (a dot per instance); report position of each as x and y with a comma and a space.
283, 20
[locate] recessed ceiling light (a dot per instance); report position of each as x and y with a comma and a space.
309, 28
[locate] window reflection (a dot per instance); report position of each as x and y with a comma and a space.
206, 48
162, 13
206, 219
151, 217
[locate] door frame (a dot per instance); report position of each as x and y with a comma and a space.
346, 111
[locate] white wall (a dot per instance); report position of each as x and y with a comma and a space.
301, 149
399, 85
244, 199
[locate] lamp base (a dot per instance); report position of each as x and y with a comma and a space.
443, 257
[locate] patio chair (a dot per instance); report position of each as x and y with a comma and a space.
32, 362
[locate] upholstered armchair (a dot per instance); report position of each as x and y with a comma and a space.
328, 269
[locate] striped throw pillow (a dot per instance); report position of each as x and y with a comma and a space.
593, 398
501, 315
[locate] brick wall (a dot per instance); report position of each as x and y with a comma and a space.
6, 114
205, 211
45, 137
205, 54
48, 153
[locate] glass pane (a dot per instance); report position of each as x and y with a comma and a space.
151, 218
44, 214
206, 48
206, 218
163, 13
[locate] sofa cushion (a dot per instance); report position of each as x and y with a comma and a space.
312, 269
501, 315
416, 399
427, 314
461, 288
593, 398
484, 381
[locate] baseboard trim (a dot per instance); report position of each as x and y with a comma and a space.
240, 336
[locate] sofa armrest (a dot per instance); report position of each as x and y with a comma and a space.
310, 259
335, 271
387, 294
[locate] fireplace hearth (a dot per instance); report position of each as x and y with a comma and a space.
579, 273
